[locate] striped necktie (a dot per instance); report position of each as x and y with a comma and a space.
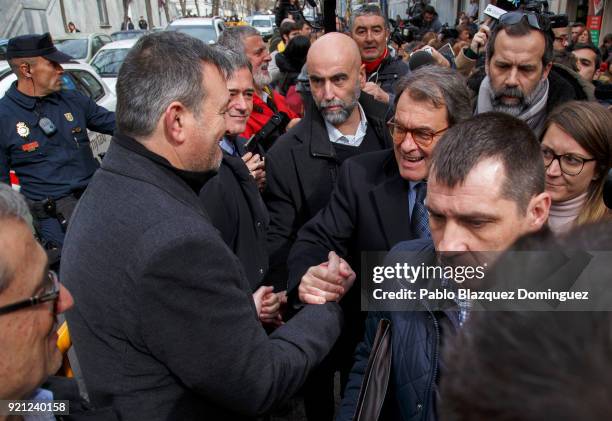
419, 222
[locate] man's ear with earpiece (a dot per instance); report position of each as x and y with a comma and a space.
28, 72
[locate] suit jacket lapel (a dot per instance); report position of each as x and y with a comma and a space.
319, 150
391, 202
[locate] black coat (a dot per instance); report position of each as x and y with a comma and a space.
236, 209
164, 322
301, 171
368, 211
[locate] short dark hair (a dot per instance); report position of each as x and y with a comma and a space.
368, 10
589, 46
520, 29
287, 27
441, 86
492, 135
429, 9
161, 68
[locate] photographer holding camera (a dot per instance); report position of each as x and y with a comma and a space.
427, 21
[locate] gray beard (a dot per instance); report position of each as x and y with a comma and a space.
261, 79
524, 101
336, 118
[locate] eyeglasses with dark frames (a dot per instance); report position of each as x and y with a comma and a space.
50, 294
422, 137
569, 164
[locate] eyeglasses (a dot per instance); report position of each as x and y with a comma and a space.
422, 137
534, 20
51, 293
570, 164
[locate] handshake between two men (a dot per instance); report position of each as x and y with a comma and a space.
328, 281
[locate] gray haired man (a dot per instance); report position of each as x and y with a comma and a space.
247, 41
166, 327
30, 299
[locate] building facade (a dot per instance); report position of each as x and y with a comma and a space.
19, 17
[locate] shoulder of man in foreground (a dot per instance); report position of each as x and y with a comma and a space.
188, 286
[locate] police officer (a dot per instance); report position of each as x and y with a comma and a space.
43, 133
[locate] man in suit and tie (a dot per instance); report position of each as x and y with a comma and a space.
378, 200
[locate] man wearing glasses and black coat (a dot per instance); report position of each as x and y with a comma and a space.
377, 201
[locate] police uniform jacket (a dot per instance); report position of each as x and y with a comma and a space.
50, 166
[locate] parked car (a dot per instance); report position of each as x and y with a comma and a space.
82, 47
3, 47
206, 29
263, 23
83, 78
135, 33
108, 60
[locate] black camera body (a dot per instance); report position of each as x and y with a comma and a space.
264, 139
537, 6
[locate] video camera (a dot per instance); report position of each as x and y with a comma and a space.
541, 7
402, 35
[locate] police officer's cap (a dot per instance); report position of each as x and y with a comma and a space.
35, 46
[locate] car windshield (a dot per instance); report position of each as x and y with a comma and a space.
262, 23
117, 36
204, 33
75, 48
108, 62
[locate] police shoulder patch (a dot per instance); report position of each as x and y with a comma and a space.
22, 129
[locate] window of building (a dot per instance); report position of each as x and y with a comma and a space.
102, 12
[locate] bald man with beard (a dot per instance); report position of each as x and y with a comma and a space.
341, 122
302, 167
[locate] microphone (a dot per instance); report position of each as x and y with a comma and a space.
419, 59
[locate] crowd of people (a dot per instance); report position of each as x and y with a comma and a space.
211, 266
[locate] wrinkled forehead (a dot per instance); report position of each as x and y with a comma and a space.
368, 21
240, 79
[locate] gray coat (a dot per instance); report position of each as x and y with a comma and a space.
164, 323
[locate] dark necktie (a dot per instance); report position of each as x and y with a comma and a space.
419, 222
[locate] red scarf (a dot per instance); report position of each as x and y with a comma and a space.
370, 66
